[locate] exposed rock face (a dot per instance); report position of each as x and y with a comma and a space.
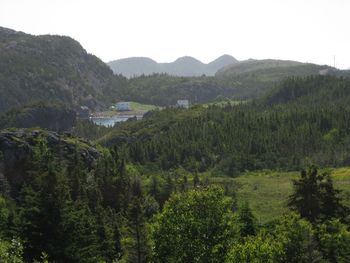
17, 148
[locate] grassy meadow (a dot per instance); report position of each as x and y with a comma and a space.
267, 192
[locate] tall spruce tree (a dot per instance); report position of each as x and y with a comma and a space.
134, 240
315, 198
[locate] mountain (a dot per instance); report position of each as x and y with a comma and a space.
184, 66
135, 66
51, 68
221, 62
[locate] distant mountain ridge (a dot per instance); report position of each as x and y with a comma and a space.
183, 66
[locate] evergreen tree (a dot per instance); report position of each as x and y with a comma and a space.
154, 188
134, 241
245, 220
167, 189
315, 198
331, 203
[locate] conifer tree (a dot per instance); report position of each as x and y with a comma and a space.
315, 198
246, 221
134, 240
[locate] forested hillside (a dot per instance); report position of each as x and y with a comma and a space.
304, 120
57, 69
52, 68
244, 80
165, 90
64, 199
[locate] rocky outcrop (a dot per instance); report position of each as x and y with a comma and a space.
17, 147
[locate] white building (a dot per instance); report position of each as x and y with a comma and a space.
183, 104
123, 106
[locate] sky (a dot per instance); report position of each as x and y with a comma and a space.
304, 30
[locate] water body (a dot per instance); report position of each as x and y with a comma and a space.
110, 121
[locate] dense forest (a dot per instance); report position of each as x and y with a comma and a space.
63, 200
303, 121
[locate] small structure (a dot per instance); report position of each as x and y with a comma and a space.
123, 106
183, 104
83, 112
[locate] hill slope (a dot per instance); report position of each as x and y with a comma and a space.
253, 78
244, 80
303, 121
184, 66
272, 70
46, 68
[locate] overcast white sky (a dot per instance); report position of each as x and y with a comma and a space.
303, 30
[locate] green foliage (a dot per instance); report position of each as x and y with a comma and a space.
298, 240
262, 248
11, 251
63, 205
315, 198
195, 226
292, 240
89, 130
334, 239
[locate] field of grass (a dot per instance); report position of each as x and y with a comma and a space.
267, 192
135, 106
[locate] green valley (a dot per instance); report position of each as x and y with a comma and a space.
255, 170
